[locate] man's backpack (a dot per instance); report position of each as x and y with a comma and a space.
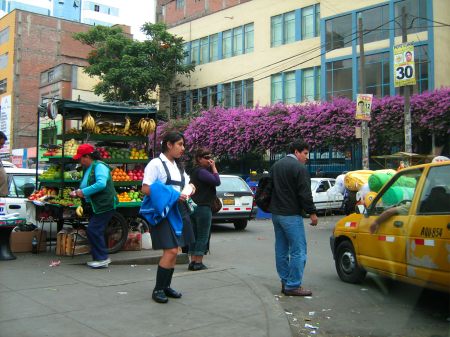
263, 193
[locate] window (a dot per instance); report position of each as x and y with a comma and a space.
195, 99
204, 51
339, 79
372, 19
308, 22
96, 8
174, 105
289, 87
226, 95
179, 4
276, 88
317, 93
308, 85
51, 75
317, 20
195, 49
237, 41
226, 44
214, 47
377, 73
237, 93
248, 93
3, 60
415, 9
248, 38
204, 97
212, 96
338, 32
400, 193
187, 54
3, 86
4, 35
18, 182
289, 27
276, 30
435, 198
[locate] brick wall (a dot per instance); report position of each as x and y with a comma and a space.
41, 42
193, 9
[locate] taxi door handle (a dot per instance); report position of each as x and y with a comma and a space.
15, 207
398, 224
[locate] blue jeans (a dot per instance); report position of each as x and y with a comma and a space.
96, 234
290, 249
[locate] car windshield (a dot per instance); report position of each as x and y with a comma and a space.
314, 184
18, 182
232, 184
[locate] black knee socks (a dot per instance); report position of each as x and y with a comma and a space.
169, 278
163, 277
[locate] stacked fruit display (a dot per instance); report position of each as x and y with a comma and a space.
119, 153
73, 175
119, 174
104, 153
52, 173
130, 196
64, 199
137, 174
43, 193
138, 154
70, 148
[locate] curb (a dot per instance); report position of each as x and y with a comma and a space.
277, 324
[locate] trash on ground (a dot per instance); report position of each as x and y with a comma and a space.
308, 297
288, 313
54, 263
310, 326
312, 313
364, 289
122, 292
294, 319
307, 319
326, 310
133, 265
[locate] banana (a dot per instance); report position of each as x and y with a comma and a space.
127, 124
79, 211
153, 125
88, 123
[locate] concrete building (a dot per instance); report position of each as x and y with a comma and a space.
97, 12
29, 45
263, 51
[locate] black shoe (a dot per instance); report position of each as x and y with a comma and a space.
159, 296
172, 293
199, 266
191, 266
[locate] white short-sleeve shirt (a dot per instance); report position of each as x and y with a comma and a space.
155, 171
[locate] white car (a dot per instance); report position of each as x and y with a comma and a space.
21, 183
237, 202
324, 196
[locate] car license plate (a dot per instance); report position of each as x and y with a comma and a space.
228, 201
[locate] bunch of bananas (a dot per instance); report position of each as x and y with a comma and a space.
88, 124
79, 211
73, 131
127, 125
146, 126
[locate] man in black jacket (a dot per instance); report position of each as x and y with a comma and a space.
291, 197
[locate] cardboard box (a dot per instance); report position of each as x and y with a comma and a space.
21, 241
134, 241
65, 242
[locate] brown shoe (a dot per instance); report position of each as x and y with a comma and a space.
297, 292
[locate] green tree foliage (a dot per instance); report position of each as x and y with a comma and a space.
129, 70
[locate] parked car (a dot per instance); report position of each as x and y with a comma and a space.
21, 183
237, 202
323, 199
412, 244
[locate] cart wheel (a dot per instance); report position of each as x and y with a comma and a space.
116, 233
139, 224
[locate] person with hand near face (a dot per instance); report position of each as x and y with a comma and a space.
291, 197
168, 169
205, 179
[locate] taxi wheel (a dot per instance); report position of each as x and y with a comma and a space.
240, 224
346, 264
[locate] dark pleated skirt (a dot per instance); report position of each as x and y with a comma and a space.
164, 237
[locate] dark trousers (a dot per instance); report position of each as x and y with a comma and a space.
96, 234
202, 227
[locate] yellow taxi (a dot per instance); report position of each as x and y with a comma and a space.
403, 234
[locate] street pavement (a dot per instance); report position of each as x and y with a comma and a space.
75, 301
377, 307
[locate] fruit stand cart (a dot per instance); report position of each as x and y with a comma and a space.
121, 135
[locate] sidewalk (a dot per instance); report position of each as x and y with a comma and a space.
72, 300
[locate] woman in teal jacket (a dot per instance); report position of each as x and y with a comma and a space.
98, 189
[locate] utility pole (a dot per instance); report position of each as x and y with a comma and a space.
406, 93
362, 86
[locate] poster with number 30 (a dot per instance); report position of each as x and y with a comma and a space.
404, 72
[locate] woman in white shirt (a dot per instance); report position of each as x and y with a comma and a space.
168, 170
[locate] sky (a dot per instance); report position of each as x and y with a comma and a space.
135, 13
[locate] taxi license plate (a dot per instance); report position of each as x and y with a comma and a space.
228, 201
